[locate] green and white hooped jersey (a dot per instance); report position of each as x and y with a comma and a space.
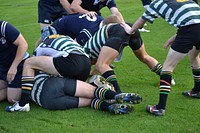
93, 46
178, 13
59, 46
38, 85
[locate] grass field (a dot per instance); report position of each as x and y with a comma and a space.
133, 76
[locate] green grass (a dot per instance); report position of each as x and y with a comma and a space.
133, 76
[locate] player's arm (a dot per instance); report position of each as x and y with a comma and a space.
116, 12
131, 30
22, 47
14, 36
66, 5
76, 7
169, 41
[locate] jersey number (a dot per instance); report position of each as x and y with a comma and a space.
89, 18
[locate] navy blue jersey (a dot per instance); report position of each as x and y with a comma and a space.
8, 34
78, 26
96, 5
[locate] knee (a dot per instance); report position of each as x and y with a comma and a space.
27, 63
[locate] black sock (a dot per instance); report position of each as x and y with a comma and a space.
104, 93
157, 69
27, 85
111, 78
196, 75
99, 104
165, 83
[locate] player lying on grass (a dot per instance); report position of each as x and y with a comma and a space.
58, 93
184, 15
107, 45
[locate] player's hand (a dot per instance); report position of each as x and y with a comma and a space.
169, 42
11, 74
91, 14
127, 28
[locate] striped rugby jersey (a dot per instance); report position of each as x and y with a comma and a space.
38, 85
56, 46
93, 46
177, 12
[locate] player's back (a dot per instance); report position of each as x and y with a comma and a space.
73, 25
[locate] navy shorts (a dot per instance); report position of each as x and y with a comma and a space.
73, 66
49, 13
187, 37
16, 83
58, 94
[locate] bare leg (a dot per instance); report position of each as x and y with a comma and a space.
106, 56
44, 63
173, 58
84, 89
142, 55
194, 58
83, 102
13, 94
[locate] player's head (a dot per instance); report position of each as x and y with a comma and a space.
47, 31
111, 19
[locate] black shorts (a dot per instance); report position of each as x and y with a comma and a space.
187, 37
120, 39
73, 66
58, 94
16, 83
49, 13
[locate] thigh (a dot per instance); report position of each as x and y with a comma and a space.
173, 58
105, 58
107, 55
43, 63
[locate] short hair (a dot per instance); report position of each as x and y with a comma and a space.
111, 19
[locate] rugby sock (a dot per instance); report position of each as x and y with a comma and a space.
104, 93
165, 82
111, 78
27, 85
196, 75
99, 104
157, 69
